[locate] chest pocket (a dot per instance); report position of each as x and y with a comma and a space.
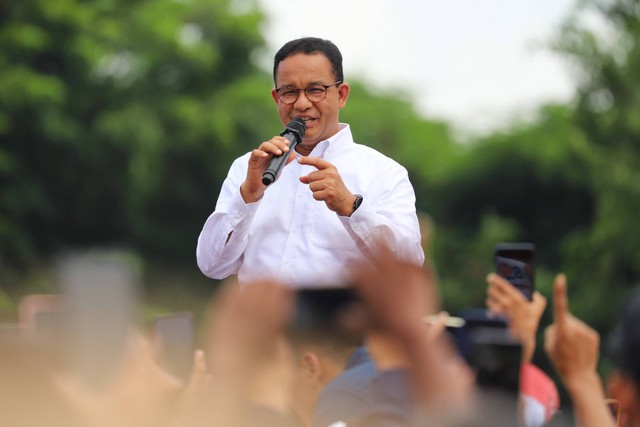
328, 231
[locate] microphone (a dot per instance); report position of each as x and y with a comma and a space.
293, 132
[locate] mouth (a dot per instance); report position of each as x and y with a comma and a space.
307, 120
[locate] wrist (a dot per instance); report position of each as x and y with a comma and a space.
248, 195
357, 201
583, 383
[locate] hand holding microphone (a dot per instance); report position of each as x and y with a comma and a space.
293, 132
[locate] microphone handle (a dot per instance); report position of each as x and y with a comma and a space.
277, 162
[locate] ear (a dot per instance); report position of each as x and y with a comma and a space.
623, 389
312, 366
274, 95
343, 94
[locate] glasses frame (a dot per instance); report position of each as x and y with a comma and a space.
326, 87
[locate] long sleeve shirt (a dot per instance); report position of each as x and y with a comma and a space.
290, 236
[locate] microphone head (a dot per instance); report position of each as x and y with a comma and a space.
298, 126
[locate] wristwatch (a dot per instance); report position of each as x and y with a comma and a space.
357, 202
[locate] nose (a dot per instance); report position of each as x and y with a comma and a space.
302, 103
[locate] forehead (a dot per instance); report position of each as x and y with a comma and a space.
302, 69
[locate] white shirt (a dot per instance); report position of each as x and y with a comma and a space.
290, 236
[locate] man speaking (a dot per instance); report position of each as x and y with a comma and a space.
332, 201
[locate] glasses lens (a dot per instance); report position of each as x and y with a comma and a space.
288, 96
315, 93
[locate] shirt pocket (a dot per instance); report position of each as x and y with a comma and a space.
328, 232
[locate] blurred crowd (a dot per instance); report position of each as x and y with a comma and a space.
380, 351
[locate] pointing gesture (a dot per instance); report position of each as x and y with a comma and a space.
327, 186
572, 347
571, 344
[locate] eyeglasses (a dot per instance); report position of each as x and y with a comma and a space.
314, 93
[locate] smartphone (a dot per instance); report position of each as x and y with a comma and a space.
496, 359
474, 318
515, 262
174, 335
100, 294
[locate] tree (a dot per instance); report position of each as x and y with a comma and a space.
113, 118
606, 260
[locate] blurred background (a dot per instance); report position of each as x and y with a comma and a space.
119, 120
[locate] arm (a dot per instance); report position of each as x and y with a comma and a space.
223, 238
387, 213
572, 347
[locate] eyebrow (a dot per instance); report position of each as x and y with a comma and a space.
291, 86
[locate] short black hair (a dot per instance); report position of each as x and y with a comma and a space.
310, 45
624, 344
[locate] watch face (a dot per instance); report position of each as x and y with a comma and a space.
357, 202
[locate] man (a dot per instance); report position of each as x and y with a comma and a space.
332, 201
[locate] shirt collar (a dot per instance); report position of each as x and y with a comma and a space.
343, 136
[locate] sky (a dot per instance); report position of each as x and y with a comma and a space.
478, 64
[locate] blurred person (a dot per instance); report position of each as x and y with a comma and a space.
378, 391
539, 395
327, 208
248, 362
399, 295
573, 348
326, 333
623, 383
318, 362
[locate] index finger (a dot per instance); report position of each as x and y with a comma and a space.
316, 162
560, 300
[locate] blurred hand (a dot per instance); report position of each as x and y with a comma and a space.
523, 315
244, 325
140, 394
397, 293
573, 348
571, 344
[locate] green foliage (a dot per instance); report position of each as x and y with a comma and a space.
107, 117
390, 123
606, 260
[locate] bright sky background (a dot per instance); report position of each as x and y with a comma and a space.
475, 63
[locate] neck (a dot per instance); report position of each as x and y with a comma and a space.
305, 151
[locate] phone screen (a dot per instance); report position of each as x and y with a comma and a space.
175, 336
514, 262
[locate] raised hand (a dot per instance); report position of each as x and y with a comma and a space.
326, 185
523, 315
252, 188
573, 348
